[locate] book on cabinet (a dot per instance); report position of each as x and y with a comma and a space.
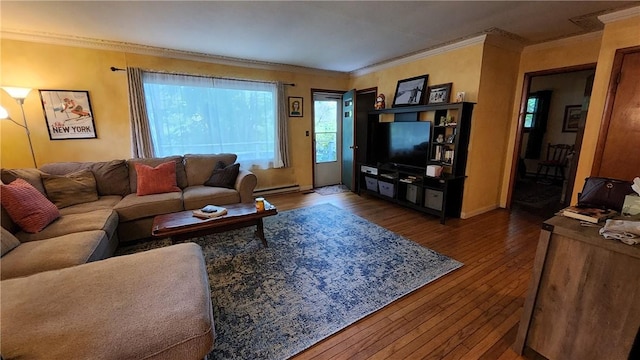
592, 215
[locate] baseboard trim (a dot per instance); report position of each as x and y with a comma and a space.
466, 215
277, 190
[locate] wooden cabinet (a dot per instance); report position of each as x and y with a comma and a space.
409, 185
584, 298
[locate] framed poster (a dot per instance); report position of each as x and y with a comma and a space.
410, 91
572, 115
68, 114
440, 94
295, 106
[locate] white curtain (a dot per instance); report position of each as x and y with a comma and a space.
196, 114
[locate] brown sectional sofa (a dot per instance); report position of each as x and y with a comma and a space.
150, 305
91, 231
136, 213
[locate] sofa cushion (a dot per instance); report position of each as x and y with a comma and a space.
74, 188
9, 242
151, 305
224, 176
26, 206
133, 207
55, 253
6, 221
112, 177
181, 176
32, 176
199, 167
105, 220
196, 197
103, 202
156, 180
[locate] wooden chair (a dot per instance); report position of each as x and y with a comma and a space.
557, 158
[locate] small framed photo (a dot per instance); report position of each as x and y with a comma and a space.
295, 106
68, 114
572, 115
460, 96
439, 94
410, 91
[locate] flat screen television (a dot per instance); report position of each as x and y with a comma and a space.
400, 143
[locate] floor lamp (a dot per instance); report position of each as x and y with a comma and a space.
19, 94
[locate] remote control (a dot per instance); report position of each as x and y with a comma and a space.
209, 209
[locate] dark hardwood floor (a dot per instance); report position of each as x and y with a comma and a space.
471, 313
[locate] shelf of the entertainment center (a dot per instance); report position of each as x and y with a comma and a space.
399, 173
420, 108
410, 186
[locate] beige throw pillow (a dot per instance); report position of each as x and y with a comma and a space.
75, 188
9, 242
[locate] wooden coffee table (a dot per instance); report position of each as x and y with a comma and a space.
183, 225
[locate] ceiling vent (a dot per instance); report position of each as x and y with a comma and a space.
589, 22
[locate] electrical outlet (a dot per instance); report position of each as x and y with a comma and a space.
306, 133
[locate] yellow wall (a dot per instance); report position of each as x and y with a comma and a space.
490, 75
597, 48
487, 74
460, 66
489, 128
53, 67
574, 51
42, 66
617, 35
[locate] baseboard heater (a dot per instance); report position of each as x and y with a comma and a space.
277, 190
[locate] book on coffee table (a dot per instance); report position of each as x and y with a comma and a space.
592, 215
210, 211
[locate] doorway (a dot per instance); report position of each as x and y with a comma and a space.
327, 138
552, 115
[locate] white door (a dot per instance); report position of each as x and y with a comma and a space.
327, 137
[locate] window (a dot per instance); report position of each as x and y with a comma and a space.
326, 129
201, 115
530, 114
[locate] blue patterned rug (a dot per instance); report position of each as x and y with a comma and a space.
325, 269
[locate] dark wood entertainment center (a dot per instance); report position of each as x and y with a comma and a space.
409, 185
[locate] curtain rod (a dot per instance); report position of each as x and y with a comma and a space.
113, 68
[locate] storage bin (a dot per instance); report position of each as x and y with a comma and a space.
372, 184
386, 189
412, 193
433, 199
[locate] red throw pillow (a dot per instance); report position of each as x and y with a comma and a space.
156, 180
27, 206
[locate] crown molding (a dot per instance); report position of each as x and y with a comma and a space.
564, 41
505, 40
90, 43
620, 15
419, 55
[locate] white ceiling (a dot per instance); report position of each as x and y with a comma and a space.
331, 35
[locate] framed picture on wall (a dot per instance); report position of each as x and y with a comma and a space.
572, 115
440, 94
295, 106
68, 114
410, 91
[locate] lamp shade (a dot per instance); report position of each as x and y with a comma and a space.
3, 113
17, 92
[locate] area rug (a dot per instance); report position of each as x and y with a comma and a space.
324, 269
536, 194
331, 189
